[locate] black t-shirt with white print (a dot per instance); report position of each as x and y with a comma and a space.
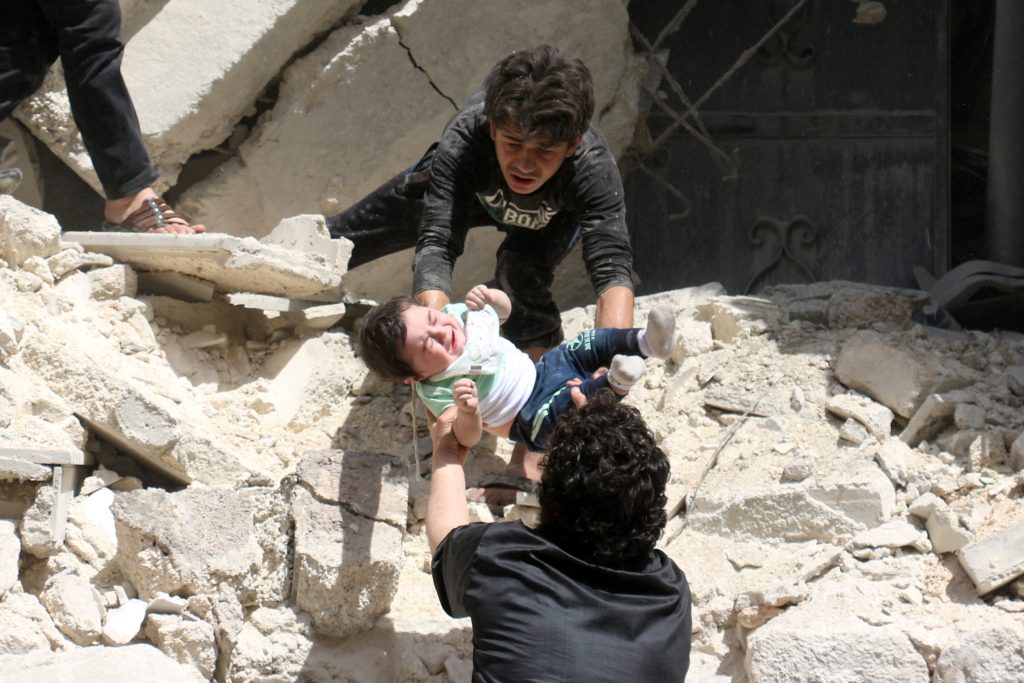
465, 178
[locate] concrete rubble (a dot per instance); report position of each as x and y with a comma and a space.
200, 481
250, 509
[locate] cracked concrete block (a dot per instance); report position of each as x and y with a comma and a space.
348, 540
895, 534
26, 232
855, 486
113, 282
90, 530
740, 316
190, 642
854, 305
874, 416
10, 552
933, 416
373, 485
199, 539
133, 417
233, 264
25, 626
73, 258
389, 123
191, 91
787, 649
894, 376
996, 559
945, 531
36, 527
137, 663
11, 331
75, 607
898, 461
988, 654
123, 623
15, 469
780, 514
1016, 458
924, 505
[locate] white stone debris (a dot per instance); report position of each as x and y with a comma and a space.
199, 479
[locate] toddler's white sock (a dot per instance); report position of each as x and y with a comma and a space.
659, 337
625, 371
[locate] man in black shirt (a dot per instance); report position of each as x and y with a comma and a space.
523, 156
584, 597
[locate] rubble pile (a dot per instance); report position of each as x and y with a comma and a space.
198, 488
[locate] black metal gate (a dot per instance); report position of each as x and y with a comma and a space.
818, 149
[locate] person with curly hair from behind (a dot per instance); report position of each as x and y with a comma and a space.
585, 596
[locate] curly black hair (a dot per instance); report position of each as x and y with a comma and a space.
382, 337
542, 93
602, 495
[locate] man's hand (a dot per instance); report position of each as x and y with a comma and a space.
482, 295
432, 298
464, 392
446, 448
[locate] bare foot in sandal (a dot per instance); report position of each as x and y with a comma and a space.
145, 211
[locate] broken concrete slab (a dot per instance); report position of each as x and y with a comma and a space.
932, 417
945, 531
894, 534
15, 469
895, 376
196, 540
137, 663
190, 642
996, 559
861, 651
75, 607
989, 654
25, 626
350, 512
337, 81
876, 417
10, 552
233, 264
26, 232
181, 444
735, 316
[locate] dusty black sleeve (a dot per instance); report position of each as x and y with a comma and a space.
599, 201
448, 200
451, 565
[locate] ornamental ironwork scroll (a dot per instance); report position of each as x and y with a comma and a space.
784, 232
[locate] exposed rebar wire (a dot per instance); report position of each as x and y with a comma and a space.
744, 57
673, 25
690, 499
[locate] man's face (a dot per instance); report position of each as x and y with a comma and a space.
433, 340
528, 163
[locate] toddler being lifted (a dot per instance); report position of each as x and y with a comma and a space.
458, 361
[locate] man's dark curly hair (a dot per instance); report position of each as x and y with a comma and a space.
602, 493
541, 93
382, 337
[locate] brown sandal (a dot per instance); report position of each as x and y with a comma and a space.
154, 214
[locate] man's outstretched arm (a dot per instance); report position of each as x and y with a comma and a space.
615, 308
446, 505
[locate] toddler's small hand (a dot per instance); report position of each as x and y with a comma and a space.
477, 298
464, 392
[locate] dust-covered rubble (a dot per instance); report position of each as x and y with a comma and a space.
845, 496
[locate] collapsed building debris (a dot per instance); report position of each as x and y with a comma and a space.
845, 492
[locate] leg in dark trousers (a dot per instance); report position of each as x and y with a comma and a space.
87, 34
525, 270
